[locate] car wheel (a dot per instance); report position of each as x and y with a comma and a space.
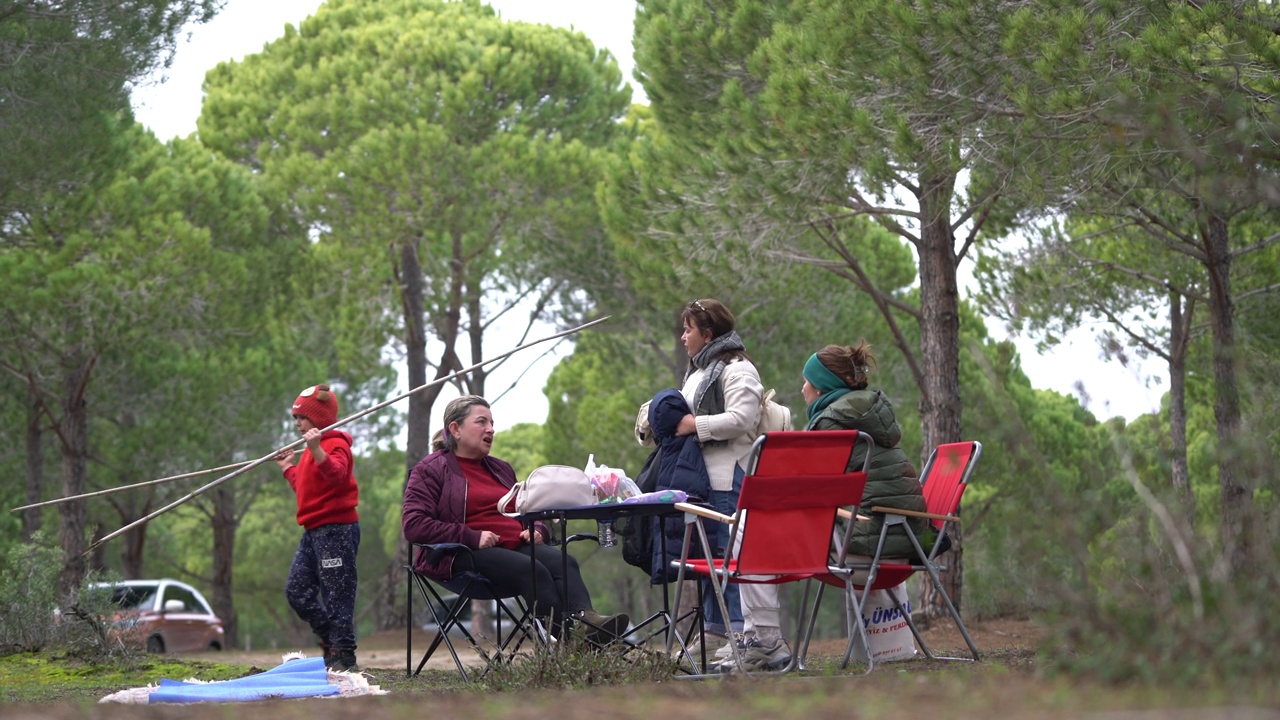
215, 646
155, 644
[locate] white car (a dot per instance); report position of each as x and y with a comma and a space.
164, 616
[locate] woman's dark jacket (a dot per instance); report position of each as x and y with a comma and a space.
892, 480
435, 509
679, 467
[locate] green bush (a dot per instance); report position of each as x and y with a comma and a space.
28, 597
33, 617
1148, 594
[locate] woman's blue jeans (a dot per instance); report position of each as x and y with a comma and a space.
724, 501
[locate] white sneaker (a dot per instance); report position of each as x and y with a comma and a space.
726, 650
758, 657
694, 648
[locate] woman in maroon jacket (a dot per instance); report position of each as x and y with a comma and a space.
322, 581
452, 497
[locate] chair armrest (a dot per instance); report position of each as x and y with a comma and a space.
706, 513
434, 551
914, 513
848, 515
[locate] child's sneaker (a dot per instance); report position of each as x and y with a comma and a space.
341, 659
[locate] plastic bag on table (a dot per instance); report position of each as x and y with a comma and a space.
611, 485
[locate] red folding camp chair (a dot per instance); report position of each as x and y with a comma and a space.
797, 484
945, 477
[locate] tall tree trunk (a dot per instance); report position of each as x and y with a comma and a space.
482, 620
1237, 499
133, 553
224, 523
75, 453
388, 610
97, 560
35, 463
418, 441
1178, 343
940, 353
475, 338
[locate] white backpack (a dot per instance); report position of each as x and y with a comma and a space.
773, 416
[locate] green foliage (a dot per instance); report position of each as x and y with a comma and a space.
1074, 522
265, 545
376, 134
28, 597
34, 619
87, 629
1154, 110
443, 160
64, 74
1155, 609
480, 135
592, 399
521, 445
91, 271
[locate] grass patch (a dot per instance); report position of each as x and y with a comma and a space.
45, 677
578, 665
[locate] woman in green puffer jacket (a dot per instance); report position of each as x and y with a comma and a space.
835, 386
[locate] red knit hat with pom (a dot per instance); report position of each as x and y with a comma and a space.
317, 404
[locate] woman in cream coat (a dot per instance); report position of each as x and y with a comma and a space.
723, 390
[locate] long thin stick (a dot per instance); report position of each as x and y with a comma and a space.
122, 488
201, 490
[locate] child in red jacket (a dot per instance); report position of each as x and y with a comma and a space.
322, 582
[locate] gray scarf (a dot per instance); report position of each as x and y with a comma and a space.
708, 358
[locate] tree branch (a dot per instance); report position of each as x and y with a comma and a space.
1135, 274
832, 240
1260, 245
1258, 291
884, 216
1134, 336
977, 226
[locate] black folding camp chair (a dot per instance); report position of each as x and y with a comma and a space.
447, 615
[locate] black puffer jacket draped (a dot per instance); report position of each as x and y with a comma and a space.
680, 467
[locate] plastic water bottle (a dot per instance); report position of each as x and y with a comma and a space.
605, 534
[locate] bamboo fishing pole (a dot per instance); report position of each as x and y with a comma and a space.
122, 488
250, 465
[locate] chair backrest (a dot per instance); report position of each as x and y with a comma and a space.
798, 452
798, 455
788, 529
946, 475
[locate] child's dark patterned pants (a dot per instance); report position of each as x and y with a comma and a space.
322, 582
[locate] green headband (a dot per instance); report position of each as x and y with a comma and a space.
822, 379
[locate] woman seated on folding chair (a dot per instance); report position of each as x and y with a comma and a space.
452, 497
835, 386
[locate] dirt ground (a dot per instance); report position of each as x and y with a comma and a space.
1006, 687
386, 651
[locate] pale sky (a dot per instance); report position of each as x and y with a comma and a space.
170, 109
